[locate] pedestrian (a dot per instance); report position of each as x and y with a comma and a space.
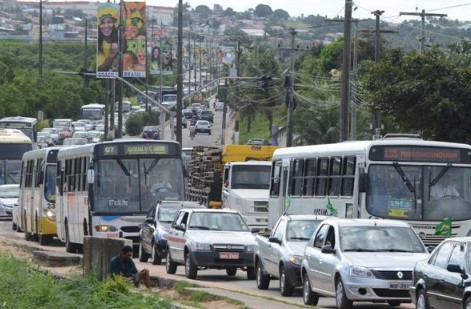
192, 130
123, 265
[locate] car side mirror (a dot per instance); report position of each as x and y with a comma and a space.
255, 230
149, 221
455, 268
328, 249
180, 227
275, 240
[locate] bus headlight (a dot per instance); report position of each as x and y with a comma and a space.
106, 228
50, 214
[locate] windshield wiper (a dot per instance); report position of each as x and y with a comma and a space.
359, 250
123, 167
151, 166
392, 250
199, 227
299, 238
406, 180
440, 174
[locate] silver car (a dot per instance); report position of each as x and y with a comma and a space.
361, 260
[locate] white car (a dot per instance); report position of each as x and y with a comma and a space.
8, 200
203, 126
210, 238
361, 260
53, 132
78, 126
88, 124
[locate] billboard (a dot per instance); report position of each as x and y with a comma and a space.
107, 46
135, 51
162, 59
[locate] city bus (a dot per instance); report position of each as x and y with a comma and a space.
13, 144
29, 126
106, 189
36, 209
393, 178
94, 112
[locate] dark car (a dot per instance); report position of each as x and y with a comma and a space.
207, 115
443, 281
151, 132
158, 220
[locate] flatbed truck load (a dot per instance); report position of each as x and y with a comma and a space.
237, 177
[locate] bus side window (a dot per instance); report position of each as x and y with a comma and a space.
275, 178
322, 176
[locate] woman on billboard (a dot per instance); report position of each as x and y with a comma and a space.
108, 48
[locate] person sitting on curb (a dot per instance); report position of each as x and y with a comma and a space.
123, 265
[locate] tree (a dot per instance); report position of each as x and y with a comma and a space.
203, 11
262, 10
331, 57
425, 93
229, 12
280, 15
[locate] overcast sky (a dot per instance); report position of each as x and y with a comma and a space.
456, 9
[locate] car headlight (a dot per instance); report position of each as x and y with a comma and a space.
198, 246
251, 248
296, 259
361, 272
106, 228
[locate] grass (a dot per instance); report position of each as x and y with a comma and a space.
23, 285
259, 129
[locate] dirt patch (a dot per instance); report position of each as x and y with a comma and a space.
217, 304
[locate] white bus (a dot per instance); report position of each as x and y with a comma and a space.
106, 189
13, 144
29, 126
94, 112
36, 209
394, 178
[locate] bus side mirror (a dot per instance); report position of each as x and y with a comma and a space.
363, 181
90, 176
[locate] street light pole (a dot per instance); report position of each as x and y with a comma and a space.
180, 73
40, 67
289, 133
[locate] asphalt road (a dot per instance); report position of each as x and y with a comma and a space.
208, 278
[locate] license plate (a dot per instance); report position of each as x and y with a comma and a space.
228, 255
400, 285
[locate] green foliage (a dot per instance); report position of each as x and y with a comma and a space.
25, 286
137, 121
425, 93
331, 57
263, 10
182, 285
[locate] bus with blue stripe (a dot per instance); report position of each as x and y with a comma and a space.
106, 189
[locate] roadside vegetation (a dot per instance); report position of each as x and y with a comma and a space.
23, 285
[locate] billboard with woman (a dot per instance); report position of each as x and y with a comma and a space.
107, 47
135, 50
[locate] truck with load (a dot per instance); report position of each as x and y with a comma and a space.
237, 178
280, 254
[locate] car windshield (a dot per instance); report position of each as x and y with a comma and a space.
301, 230
9, 191
167, 214
74, 142
217, 221
251, 176
379, 239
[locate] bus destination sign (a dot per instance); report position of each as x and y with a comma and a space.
140, 149
419, 154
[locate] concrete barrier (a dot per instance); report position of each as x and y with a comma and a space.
97, 253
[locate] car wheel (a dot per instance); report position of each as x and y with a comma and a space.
250, 273
467, 303
286, 289
231, 272
309, 297
170, 266
340, 296
394, 303
143, 256
156, 259
422, 301
191, 271
263, 280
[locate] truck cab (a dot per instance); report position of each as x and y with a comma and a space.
246, 189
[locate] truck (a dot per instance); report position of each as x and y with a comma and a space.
237, 178
279, 255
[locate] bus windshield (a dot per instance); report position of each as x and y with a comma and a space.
251, 176
10, 171
132, 185
50, 183
411, 192
91, 113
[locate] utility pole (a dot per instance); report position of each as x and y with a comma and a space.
224, 112
40, 66
422, 16
237, 115
189, 56
346, 71
290, 94
119, 131
180, 72
377, 120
